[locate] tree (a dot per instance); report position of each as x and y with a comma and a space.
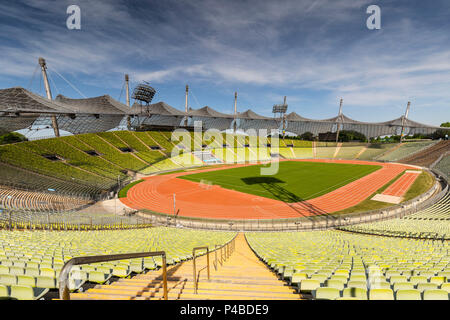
12, 137
351, 135
439, 134
445, 125
307, 136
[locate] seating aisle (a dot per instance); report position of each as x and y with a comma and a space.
242, 276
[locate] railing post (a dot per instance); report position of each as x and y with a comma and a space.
207, 259
165, 276
195, 273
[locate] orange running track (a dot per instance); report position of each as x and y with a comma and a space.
402, 185
215, 202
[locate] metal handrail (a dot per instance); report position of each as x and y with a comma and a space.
64, 293
194, 267
227, 247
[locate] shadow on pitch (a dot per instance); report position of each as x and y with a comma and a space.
300, 205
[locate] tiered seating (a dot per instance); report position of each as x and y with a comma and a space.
429, 155
444, 166
325, 150
38, 201
22, 157
339, 265
287, 153
303, 153
432, 222
111, 153
406, 150
30, 262
76, 221
350, 151
375, 150
75, 157
144, 152
24, 179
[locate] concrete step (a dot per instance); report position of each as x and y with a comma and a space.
241, 276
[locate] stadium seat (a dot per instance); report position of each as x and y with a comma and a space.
435, 294
46, 282
26, 281
403, 286
309, 285
381, 294
27, 292
408, 294
326, 293
358, 293
4, 292
8, 279
335, 284
426, 286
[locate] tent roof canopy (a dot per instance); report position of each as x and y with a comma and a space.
208, 112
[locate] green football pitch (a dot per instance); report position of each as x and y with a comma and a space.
295, 180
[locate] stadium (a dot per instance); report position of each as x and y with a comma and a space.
149, 202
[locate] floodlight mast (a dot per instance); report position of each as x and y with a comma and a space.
127, 88
235, 112
339, 120
281, 109
404, 118
43, 65
186, 106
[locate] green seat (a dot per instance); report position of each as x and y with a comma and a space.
327, 293
17, 271
4, 269
357, 293
33, 272
418, 279
7, 263
27, 293
138, 267
335, 284
394, 279
8, 279
297, 277
357, 278
438, 280
340, 277
435, 294
403, 286
309, 285
357, 284
381, 294
380, 285
4, 292
426, 286
46, 282
26, 281
121, 272
320, 277
446, 287
408, 294
46, 272
98, 277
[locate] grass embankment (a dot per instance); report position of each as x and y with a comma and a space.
123, 192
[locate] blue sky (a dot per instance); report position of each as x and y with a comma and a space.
314, 52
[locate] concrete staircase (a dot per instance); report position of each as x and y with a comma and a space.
240, 277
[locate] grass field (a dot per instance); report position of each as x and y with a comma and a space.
295, 181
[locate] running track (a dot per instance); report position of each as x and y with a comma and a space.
195, 200
401, 186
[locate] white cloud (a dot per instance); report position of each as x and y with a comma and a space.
293, 45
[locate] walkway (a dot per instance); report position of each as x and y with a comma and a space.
242, 277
